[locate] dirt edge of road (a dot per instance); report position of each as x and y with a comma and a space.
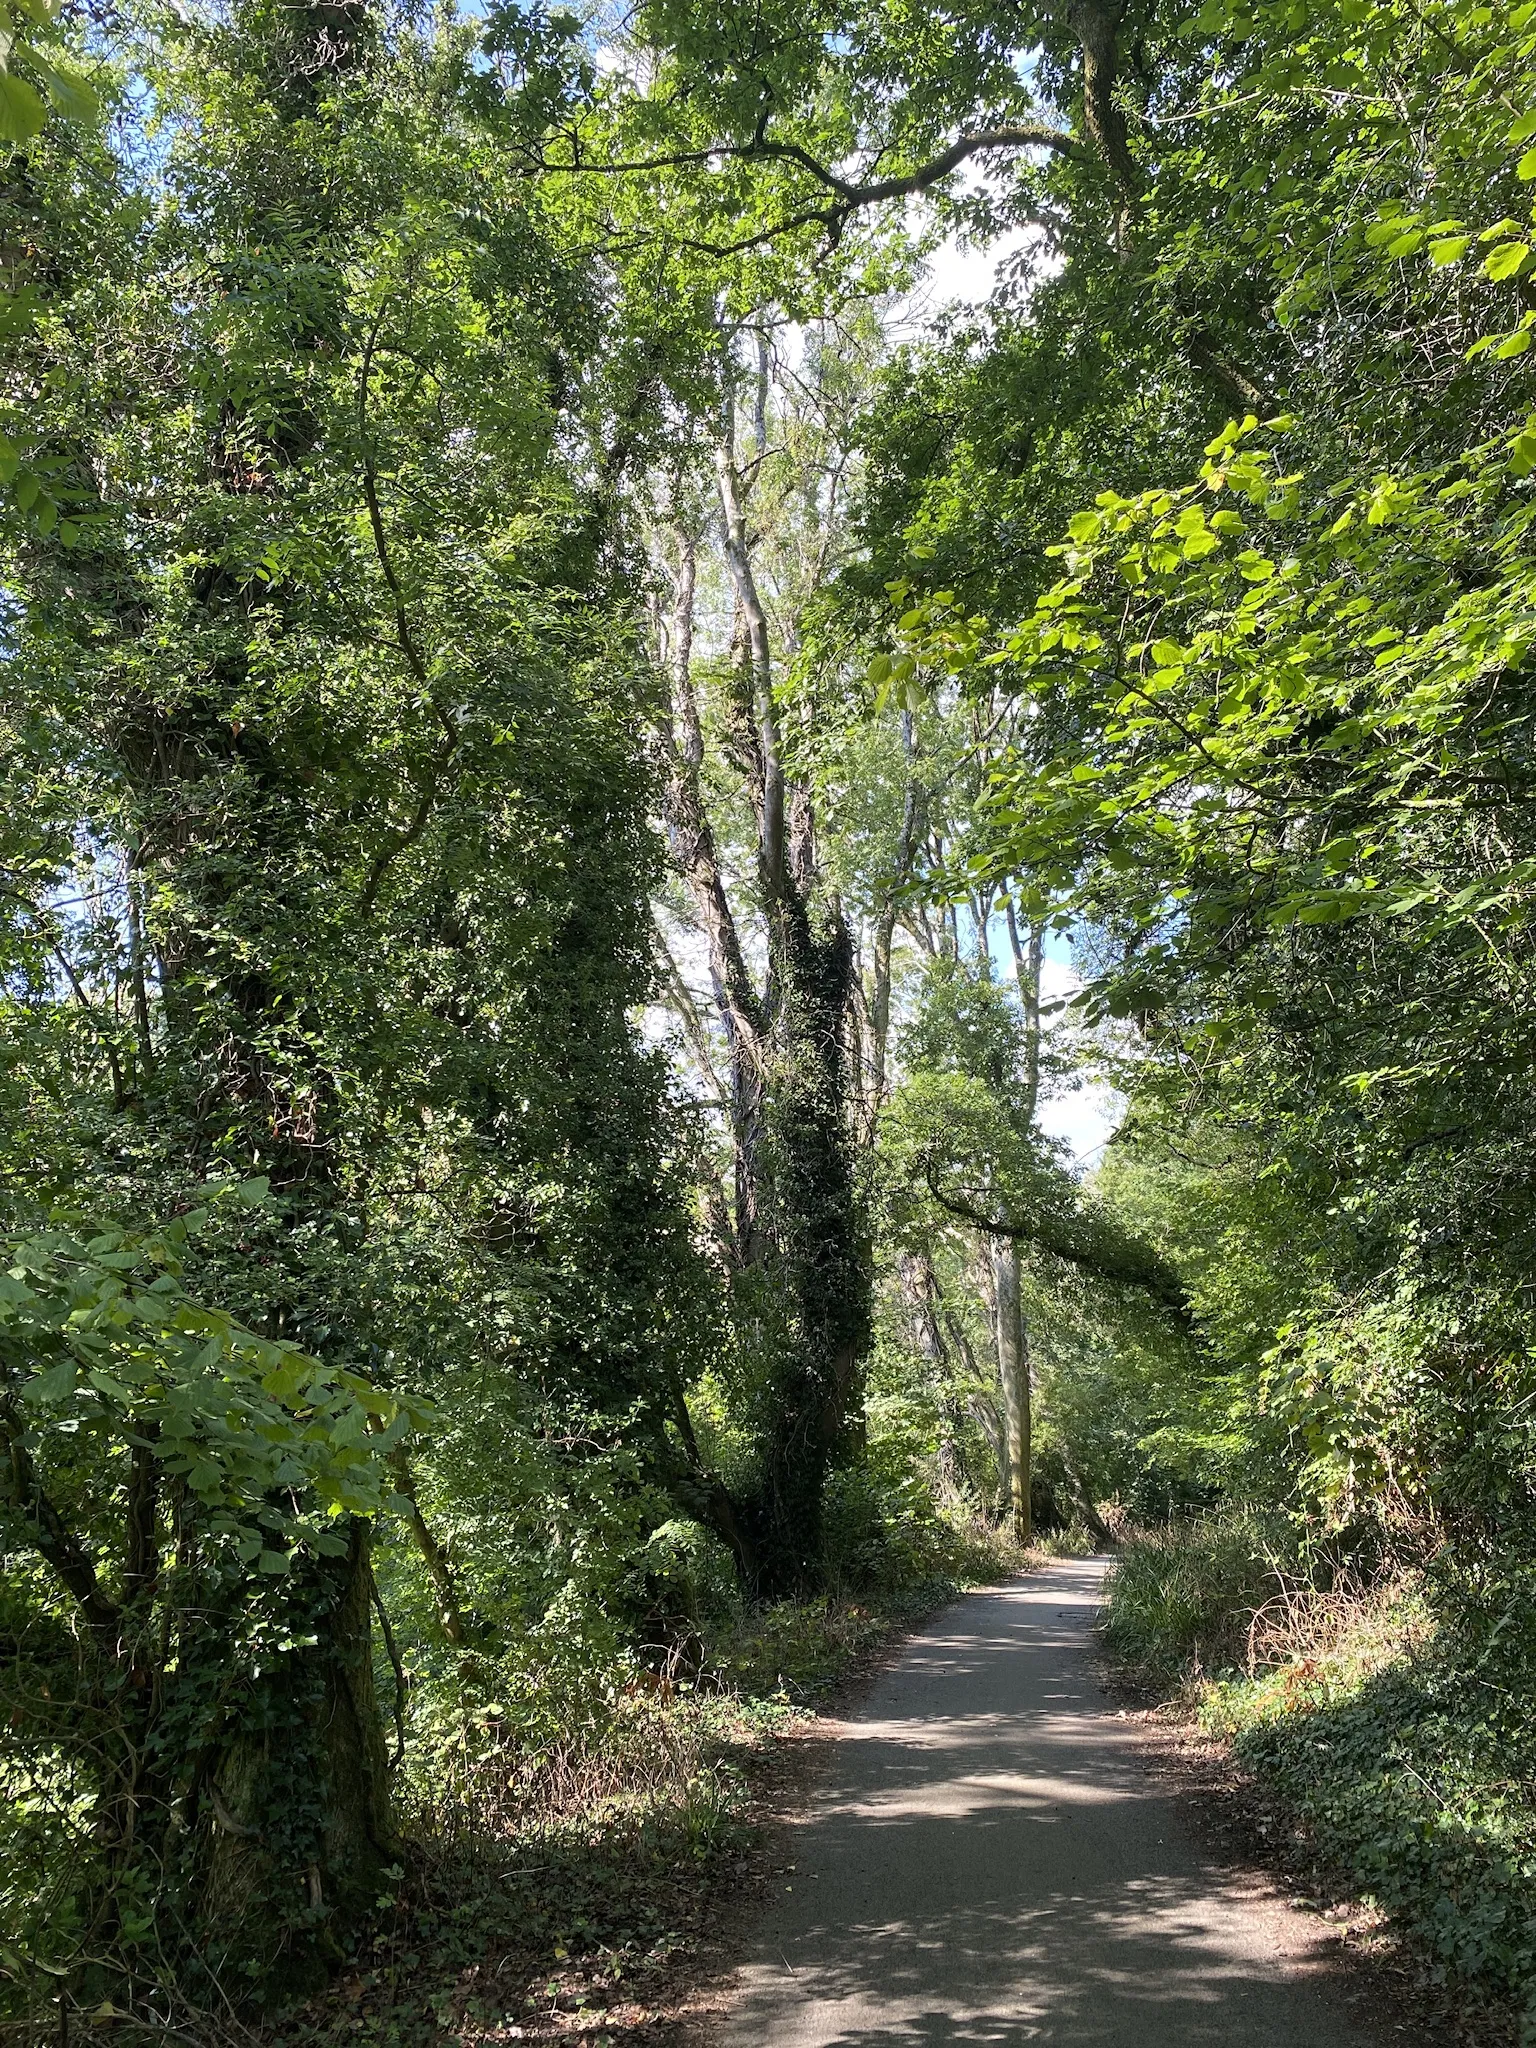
1253, 1832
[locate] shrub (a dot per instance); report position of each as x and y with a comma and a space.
1184, 1598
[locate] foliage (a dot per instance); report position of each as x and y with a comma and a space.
103, 1360
324, 861
1266, 718
1416, 1783
532, 731
124, 1399
1410, 1774
1183, 1597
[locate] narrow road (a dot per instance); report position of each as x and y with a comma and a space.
988, 1861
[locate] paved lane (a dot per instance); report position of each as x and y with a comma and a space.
987, 1861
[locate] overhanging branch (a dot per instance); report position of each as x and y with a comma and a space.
849, 194
1123, 1265
1006, 135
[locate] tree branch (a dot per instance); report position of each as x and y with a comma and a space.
1008, 135
58, 1544
1125, 1264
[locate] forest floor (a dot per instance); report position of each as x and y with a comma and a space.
615, 1918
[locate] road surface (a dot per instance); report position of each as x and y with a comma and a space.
987, 1860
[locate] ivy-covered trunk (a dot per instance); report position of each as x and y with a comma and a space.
243, 1810
790, 1232
810, 1250
292, 1805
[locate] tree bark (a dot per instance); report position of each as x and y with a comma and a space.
799, 1277
294, 1794
1013, 1383
885, 934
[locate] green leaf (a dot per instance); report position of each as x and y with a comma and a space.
55, 1385
68, 90
1449, 251
1507, 260
22, 113
1387, 230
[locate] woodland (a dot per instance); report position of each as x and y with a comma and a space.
599, 784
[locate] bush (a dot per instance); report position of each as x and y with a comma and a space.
1419, 1784
884, 1539
1184, 1599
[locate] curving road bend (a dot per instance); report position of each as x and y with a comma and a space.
988, 1861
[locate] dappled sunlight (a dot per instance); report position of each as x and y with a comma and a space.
989, 1861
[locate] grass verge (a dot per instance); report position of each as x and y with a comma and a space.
1413, 1777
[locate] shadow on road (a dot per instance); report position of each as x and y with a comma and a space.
987, 1861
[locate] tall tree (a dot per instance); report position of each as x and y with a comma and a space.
792, 1232
326, 859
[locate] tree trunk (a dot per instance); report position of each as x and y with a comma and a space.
885, 932
294, 1802
1013, 1383
1028, 956
800, 1272
984, 1410
433, 1556
812, 1255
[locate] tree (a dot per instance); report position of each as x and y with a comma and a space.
326, 845
1268, 747
183, 1485
791, 1233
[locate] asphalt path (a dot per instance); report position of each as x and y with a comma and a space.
988, 1860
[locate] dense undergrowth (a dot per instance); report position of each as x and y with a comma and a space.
568, 1842
1410, 1764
